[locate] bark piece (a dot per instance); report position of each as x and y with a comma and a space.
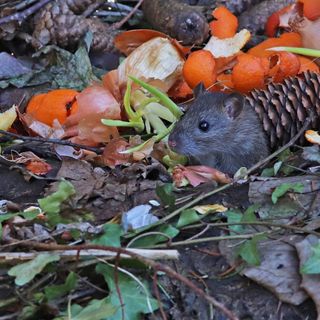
179, 20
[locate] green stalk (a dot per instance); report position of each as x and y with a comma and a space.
166, 101
303, 51
119, 123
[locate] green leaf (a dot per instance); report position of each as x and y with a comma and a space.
96, 310
136, 299
153, 239
25, 272
284, 188
249, 214
234, 217
312, 265
249, 251
120, 123
111, 235
187, 217
165, 193
51, 204
56, 291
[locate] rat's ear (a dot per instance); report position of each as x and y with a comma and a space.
199, 90
233, 105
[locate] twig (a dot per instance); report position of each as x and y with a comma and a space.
155, 265
116, 283
210, 239
94, 6
20, 16
157, 294
48, 140
286, 146
72, 254
257, 223
119, 24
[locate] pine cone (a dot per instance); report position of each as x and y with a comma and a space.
58, 23
283, 108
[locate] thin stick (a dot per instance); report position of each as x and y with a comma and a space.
48, 140
155, 265
257, 223
20, 16
119, 24
286, 146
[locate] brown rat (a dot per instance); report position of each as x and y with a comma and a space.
220, 130
229, 131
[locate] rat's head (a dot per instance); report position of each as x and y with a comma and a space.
214, 123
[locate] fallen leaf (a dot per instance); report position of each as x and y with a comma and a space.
112, 155
312, 136
38, 167
204, 209
25, 272
197, 175
278, 271
310, 282
7, 118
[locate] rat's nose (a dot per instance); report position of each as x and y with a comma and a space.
172, 143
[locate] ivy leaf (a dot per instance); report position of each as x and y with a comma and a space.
96, 310
165, 193
51, 204
249, 214
25, 272
111, 235
136, 299
235, 217
248, 251
56, 291
284, 188
312, 265
187, 217
151, 240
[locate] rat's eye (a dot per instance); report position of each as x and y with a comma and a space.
204, 126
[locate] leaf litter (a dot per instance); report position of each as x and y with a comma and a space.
262, 228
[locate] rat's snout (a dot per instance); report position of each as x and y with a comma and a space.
172, 143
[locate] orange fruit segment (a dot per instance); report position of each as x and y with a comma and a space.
289, 39
56, 104
311, 9
200, 67
249, 73
225, 25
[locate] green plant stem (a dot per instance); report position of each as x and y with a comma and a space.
210, 239
258, 223
303, 51
166, 101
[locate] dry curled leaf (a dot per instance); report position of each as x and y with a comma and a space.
7, 118
312, 136
196, 175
